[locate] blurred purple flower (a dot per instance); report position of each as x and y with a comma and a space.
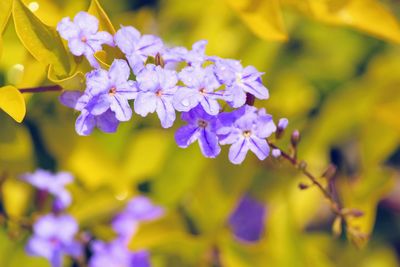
248, 219
53, 237
116, 254
201, 127
157, 87
52, 183
246, 129
283, 123
137, 48
83, 36
200, 84
139, 209
239, 81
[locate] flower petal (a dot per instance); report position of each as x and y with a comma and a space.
119, 72
259, 147
165, 112
147, 79
211, 106
186, 99
37, 246
101, 104
67, 29
145, 103
121, 107
98, 39
97, 82
77, 47
149, 45
107, 122
238, 151
186, 135
70, 98
87, 23
208, 143
126, 38
85, 123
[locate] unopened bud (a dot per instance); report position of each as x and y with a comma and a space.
159, 61
282, 124
295, 138
276, 153
250, 99
303, 186
330, 172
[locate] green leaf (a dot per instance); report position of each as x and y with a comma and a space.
104, 22
42, 41
12, 102
5, 7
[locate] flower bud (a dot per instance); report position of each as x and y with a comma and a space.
295, 138
159, 61
282, 124
276, 153
303, 186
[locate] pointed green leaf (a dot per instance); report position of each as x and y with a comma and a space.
12, 102
73, 82
42, 41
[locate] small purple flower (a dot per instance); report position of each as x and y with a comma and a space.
111, 90
53, 237
157, 87
83, 36
276, 153
140, 209
239, 81
200, 84
52, 183
137, 48
116, 254
202, 128
248, 220
246, 129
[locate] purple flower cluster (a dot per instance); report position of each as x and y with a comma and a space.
187, 81
125, 224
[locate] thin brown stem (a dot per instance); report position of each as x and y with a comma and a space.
41, 89
335, 206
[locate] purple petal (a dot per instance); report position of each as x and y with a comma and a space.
185, 99
37, 246
276, 153
283, 123
69, 228
107, 122
127, 89
70, 98
87, 23
165, 112
140, 259
257, 89
126, 38
210, 105
147, 79
85, 123
265, 124
235, 96
77, 47
259, 147
119, 72
136, 62
56, 258
98, 39
167, 78
142, 209
248, 220
120, 106
97, 82
186, 135
62, 201
101, 104
149, 45
67, 29
208, 143
238, 151
46, 226
145, 103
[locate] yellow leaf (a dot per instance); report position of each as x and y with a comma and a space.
104, 22
40, 40
5, 7
365, 15
73, 82
264, 18
12, 102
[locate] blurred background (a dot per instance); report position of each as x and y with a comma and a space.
332, 68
